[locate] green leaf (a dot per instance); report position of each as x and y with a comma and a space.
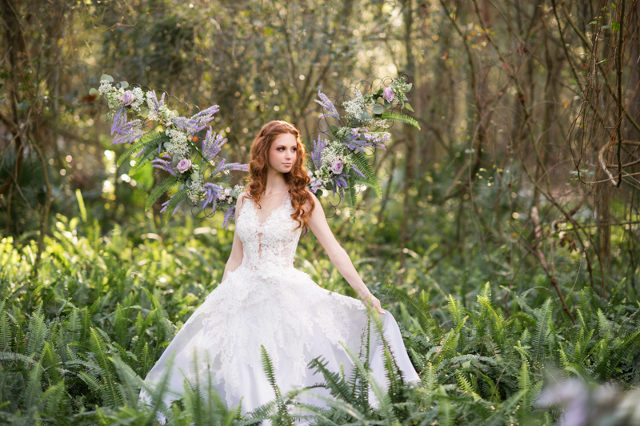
408, 106
146, 141
403, 118
106, 77
159, 190
177, 197
378, 109
362, 163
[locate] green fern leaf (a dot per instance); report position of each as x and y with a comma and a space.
175, 200
148, 141
160, 189
403, 118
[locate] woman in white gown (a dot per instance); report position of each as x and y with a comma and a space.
263, 300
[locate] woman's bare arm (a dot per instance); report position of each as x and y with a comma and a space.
339, 257
235, 258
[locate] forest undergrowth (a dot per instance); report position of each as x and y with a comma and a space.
485, 332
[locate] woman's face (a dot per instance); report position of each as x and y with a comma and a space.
283, 152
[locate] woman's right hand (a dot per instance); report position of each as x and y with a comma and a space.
373, 302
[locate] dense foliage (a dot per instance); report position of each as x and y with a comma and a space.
505, 237
75, 342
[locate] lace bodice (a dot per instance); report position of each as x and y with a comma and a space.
269, 245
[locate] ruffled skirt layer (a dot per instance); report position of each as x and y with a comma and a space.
294, 319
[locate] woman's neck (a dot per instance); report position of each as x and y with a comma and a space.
275, 183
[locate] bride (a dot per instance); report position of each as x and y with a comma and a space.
263, 300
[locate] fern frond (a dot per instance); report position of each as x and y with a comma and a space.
176, 199
160, 189
362, 163
403, 118
148, 141
336, 385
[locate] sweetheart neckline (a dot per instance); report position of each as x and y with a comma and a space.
255, 210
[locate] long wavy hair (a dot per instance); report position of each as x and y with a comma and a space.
297, 178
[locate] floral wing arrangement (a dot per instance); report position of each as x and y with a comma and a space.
175, 144
342, 158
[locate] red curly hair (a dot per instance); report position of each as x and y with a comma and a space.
297, 178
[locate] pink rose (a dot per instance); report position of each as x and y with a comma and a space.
184, 165
127, 97
388, 94
336, 166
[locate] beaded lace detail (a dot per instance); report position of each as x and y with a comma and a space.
270, 244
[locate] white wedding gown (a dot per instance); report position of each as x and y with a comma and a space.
266, 301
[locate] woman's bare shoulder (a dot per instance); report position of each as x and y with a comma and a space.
312, 202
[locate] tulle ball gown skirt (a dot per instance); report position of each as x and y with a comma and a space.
294, 319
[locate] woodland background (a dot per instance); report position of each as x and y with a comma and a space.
506, 241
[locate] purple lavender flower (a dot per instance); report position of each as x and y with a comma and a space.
125, 131
315, 184
127, 97
212, 144
238, 166
200, 120
227, 216
336, 165
184, 165
326, 103
164, 163
166, 204
196, 123
358, 172
388, 94
339, 185
316, 154
212, 193
154, 100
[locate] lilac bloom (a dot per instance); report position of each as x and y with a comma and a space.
326, 103
316, 154
388, 94
227, 216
